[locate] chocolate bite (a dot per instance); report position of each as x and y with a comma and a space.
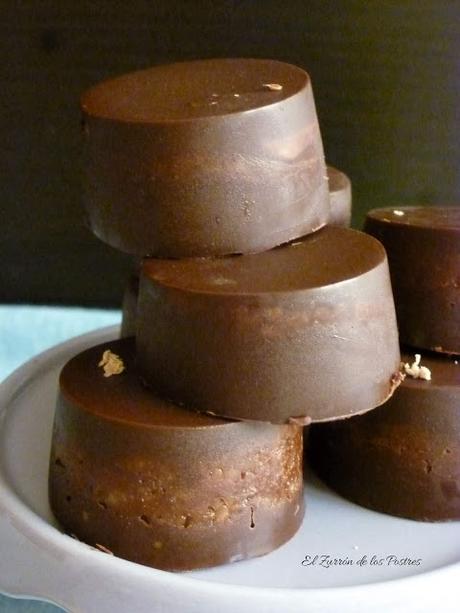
307, 330
423, 247
163, 486
210, 157
340, 197
340, 200
403, 458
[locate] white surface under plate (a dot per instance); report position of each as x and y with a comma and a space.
38, 560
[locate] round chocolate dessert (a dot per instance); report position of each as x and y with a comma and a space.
423, 247
129, 307
209, 157
340, 200
306, 331
162, 486
403, 458
340, 197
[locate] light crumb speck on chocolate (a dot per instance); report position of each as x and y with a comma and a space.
104, 549
111, 363
416, 370
273, 87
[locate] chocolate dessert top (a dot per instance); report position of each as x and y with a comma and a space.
327, 257
436, 217
192, 90
122, 397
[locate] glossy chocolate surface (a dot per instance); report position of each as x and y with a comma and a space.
403, 458
340, 197
210, 157
306, 330
163, 486
423, 247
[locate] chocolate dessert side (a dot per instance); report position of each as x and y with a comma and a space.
163, 486
403, 458
210, 157
423, 247
340, 197
307, 330
340, 200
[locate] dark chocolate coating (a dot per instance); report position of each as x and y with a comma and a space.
204, 158
340, 197
423, 247
306, 330
403, 458
129, 307
163, 486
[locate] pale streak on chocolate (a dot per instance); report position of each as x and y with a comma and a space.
305, 331
163, 486
169, 174
403, 458
423, 247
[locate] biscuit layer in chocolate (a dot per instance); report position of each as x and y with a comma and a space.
306, 330
163, 486
200, 158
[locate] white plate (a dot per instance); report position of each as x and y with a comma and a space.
38, 560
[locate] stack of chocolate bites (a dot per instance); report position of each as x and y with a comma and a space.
181, 447
404, 457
